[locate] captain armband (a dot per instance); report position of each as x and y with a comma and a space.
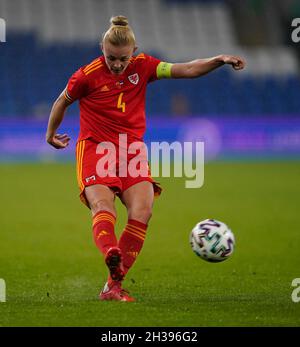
163, 70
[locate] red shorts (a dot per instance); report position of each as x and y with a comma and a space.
88, 172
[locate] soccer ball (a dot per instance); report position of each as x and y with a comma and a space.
212, 240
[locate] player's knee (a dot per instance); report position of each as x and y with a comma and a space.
98, 205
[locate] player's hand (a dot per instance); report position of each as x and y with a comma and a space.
58, 141
236, 62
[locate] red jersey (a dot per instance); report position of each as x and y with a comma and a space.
112, 104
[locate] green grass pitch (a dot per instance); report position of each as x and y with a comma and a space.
53, 271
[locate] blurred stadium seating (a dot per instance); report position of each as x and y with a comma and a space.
48, 40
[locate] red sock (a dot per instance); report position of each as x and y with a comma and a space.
104, 230
131, 242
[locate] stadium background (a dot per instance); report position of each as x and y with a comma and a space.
249, 121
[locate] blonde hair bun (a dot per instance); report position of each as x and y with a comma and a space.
119, 32
119, 20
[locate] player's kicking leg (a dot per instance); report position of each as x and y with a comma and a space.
138, 200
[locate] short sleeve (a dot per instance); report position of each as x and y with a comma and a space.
152, 66
77, 86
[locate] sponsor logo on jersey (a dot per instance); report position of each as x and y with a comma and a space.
104, 88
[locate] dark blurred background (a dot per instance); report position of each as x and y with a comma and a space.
252, 112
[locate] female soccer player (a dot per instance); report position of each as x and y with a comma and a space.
111, 93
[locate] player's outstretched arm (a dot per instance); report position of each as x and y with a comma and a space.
58, 141
200, 67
